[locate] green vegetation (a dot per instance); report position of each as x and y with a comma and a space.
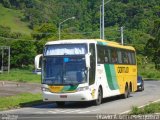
21, 100
12, 18
149, 72
21, 76
149, 109
23, 53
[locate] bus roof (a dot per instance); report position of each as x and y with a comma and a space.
97, 41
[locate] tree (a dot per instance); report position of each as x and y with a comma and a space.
44, 31
153, 45
22, 53
5, 31
6, 3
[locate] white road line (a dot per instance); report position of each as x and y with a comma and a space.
39, 112
141, 106
84, 112
94, 110
73, 111
64, 111
57, 111
52, 112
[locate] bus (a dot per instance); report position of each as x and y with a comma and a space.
87, 70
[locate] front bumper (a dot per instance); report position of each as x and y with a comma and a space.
75, 96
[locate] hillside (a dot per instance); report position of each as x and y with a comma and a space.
12, 18
140, 18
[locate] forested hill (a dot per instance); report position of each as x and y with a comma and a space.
133, 14
139, 18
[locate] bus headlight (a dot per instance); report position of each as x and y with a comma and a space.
45, 89
82, 88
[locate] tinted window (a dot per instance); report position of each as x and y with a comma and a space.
101, 54
125, 57
107, 55
130, 57
92, 64
133, 58
119, 56
114, 57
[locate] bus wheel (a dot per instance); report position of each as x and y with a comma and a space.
98, 101
127, 92
60, 104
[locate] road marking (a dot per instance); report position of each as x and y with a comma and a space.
84, 112
57, 111
73, 111
52, 112
141, 106
88, 111
78, 111
64, 111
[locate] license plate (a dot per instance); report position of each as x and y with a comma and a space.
63, 96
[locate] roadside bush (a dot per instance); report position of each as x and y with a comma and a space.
149, 109
148, 71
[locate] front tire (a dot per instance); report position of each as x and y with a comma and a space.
98, 101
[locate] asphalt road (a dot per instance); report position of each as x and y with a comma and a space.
81, 110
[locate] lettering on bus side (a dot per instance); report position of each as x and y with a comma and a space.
123, 69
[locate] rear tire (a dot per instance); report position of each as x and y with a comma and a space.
98, 101
60, 104
127, 92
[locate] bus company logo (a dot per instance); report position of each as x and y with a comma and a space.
55, 88
123, 69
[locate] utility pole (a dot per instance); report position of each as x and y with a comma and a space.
122, 42
9, 52
100, 21
2, 58
103, 19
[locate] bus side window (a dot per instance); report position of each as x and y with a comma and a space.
92, 64
114, 55
125, 57
130, 58
107, 55
133, 58
101, 53
119, 56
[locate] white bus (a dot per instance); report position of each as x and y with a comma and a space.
87, 70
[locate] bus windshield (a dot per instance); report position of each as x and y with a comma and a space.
64, 70
65, 49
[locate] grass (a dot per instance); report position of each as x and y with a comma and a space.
149, 109
21, 100
20, 76
149, 72
11, 18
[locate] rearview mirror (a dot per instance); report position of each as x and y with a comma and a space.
87, 59
38, 61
